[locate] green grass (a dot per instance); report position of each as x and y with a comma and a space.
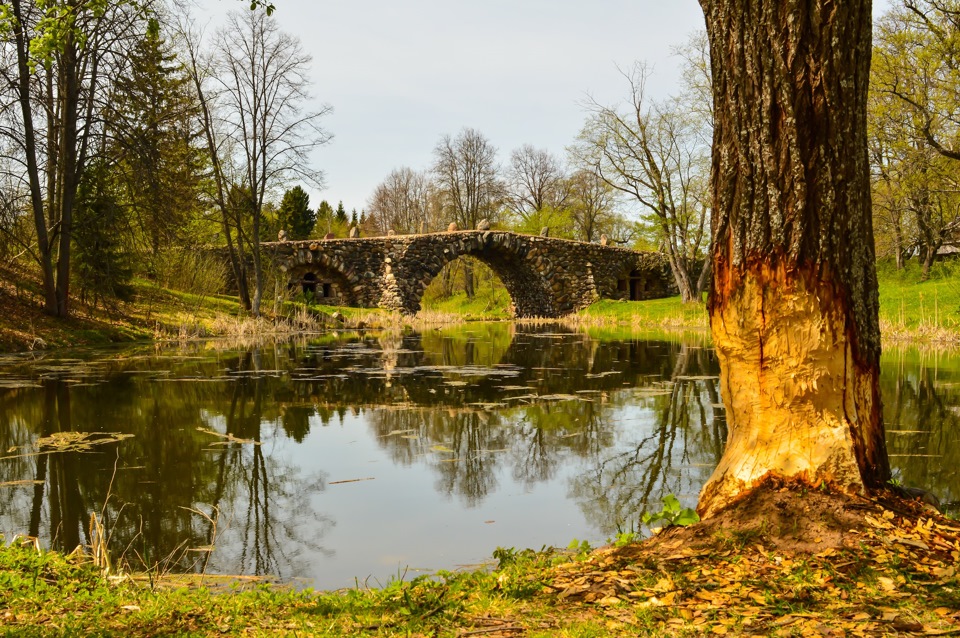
654, 313
740, 586
487, 305
911, 308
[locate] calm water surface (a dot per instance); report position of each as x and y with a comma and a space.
367, 456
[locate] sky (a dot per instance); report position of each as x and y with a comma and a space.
401, 74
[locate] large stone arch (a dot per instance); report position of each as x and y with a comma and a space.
519, 267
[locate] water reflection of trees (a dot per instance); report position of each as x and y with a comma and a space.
921, 399
150, 487
266, 533
629, 420
572, 411
675, 443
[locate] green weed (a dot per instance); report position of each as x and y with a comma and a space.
672, 514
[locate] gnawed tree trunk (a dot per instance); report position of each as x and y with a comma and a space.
794, 302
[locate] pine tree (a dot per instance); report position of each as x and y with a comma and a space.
341, 216
295, 215
102, 261
151, 117
325, 216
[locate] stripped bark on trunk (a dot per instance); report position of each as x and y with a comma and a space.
794, 302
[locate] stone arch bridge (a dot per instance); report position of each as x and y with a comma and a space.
545, 276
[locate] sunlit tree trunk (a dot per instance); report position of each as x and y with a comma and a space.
794, 302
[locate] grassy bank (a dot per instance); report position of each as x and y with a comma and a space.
155, 313
844, 569
910, 310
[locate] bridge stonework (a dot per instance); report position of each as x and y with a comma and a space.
545, 276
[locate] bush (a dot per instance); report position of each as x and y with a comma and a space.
194, 271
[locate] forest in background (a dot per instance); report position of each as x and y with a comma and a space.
129, 141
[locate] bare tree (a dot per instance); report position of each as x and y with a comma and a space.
468, 183
535, 181
201, 71
268, 135
467, 175
591, 200
401, 202
657, 155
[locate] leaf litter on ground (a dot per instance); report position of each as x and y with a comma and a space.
787, 561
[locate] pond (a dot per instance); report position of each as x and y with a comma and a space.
361, 457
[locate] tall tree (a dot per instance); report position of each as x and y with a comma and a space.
591, 200
152, 123
468, 177
914, 112
468, 183
794, 302
535, 181
263, 77
341, 215
62, 53
102, 254
324, 217
919, 52
655, 153
400, 202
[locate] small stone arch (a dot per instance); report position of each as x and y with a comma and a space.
512, 262
634, 285
324, 280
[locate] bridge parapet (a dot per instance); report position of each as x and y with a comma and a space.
545, 276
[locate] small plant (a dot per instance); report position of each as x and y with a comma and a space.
509, 556
671, 514
622, 539
582, 548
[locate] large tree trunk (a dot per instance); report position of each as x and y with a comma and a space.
794, 302
44, 251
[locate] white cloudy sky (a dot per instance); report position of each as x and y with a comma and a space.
399, 74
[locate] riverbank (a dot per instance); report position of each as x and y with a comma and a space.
925, 312
153, 313
789, 561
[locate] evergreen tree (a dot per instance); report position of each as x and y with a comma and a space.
325, 216
101, 260
152, 124
354, 220
341, 215
295, 215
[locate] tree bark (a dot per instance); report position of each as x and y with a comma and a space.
794, 303
70, 174
45, 255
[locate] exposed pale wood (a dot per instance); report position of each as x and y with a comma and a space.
790, 385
